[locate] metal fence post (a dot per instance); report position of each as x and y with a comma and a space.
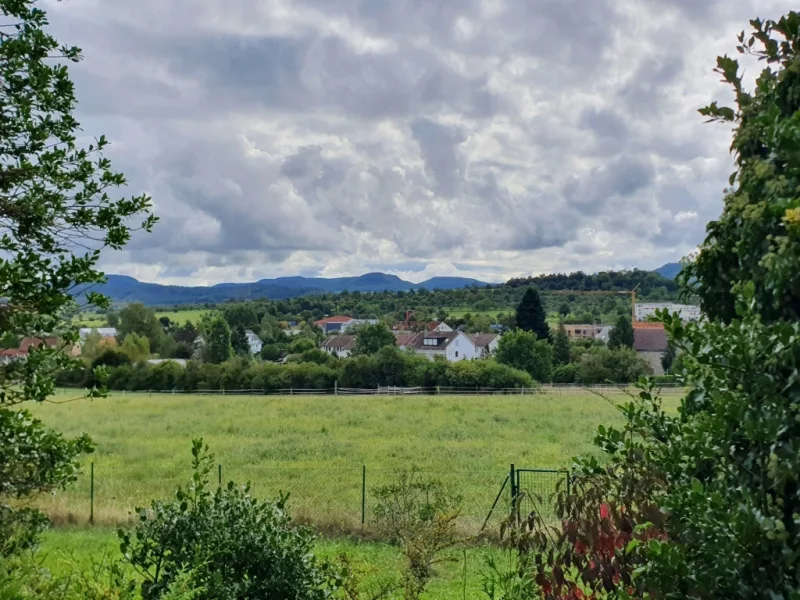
363, 495
91, 495
513, 477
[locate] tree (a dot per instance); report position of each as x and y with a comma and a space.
187, 333
621, 335
758, 233
58, 214
524, 351
561, 349
240, 313
136, 347
564, 309
481, 324
137, 318
92, 345
239, 341
531, 315
217, 337
371, 338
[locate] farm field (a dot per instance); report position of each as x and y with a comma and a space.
314, 447
63, 548
181, 316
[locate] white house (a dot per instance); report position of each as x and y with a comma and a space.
453, 345
485, 343
339, 345
254, 341
105, 332
688, 312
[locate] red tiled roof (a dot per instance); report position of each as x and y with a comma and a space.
647, 325
28, 342
13, 352
334, 319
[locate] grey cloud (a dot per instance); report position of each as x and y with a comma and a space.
364, 133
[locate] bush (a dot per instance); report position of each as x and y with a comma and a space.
237, 547
603, 365
565, 373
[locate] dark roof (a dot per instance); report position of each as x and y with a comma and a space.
649, 340
346, 342
444, 338
404, 339
482, 339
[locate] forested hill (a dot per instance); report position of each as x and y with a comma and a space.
649, 282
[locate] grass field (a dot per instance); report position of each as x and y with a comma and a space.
64, 548
314, 447
181, 316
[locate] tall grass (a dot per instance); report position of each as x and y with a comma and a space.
314, 447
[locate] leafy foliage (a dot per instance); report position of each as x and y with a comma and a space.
217, 337
136, 347
237, 547
239, 342
34, 460
756, 239
522, 350
419, 515
371, 338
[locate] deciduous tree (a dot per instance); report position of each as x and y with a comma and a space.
217, 338
371, 338
524, 351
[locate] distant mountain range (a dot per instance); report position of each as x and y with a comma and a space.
121, 288
669, 270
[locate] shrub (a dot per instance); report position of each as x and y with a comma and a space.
565, 373
237, 547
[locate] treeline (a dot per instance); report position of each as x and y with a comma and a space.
440, 304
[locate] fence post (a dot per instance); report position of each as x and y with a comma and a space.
291, 391
363, 495
219, 474
512, 475
336, 387
91, 495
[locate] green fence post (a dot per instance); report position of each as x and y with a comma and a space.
91, 495
363, 495
513, 477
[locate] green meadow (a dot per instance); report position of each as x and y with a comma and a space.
315, 447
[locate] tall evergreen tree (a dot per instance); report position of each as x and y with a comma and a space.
217, 337
622, 334
561, 346
239, 340
531, 315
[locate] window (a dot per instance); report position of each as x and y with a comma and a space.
429, 342
456, 353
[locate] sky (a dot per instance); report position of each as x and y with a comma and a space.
482, 138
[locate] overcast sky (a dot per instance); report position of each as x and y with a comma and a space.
485, 138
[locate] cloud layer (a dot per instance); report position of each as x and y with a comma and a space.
489, 138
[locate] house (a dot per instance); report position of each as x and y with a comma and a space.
253, 341
688, 312
452, 345
583, 332
402, 339
12, 355
434, 326
485, 343
341, 323
650, 343
105, 332
339, 345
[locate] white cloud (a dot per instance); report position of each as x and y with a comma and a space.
419, 137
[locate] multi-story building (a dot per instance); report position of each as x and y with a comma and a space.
688, 312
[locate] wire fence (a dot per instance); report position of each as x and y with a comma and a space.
543, 390
336, 500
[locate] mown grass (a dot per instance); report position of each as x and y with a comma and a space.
314, 447
68, 548
181, 316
